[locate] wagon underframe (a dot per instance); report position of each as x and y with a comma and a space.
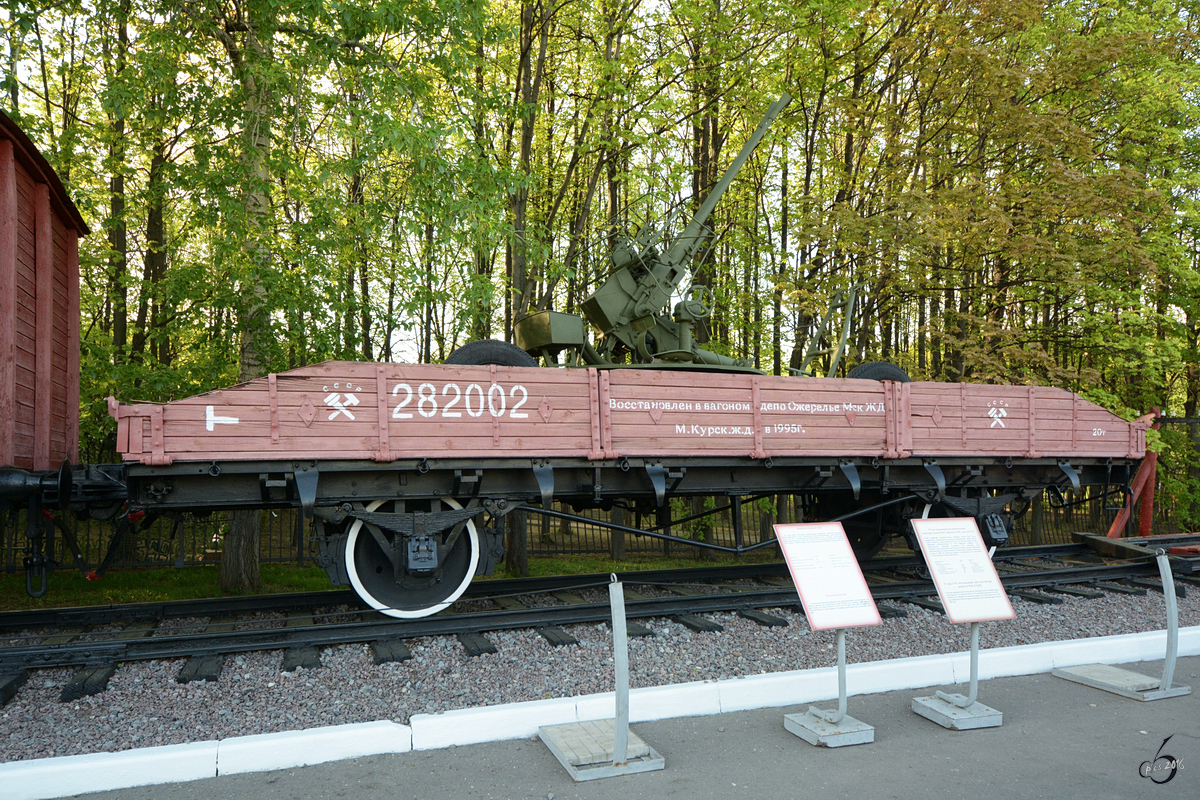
410, 535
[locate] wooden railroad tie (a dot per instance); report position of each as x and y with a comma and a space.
556, 636
1035, 597
207, 667
762, 618
1074, 591
930, 603
1118, 588
87, 681
476, 644
9, 684
201, 668
697, 623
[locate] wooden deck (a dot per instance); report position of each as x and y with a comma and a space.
384, 412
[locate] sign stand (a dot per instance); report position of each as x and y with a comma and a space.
970, 591
834, 595
955, 711
605, 748
1129, 683
831, 728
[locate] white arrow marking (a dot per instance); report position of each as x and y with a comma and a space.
211, 419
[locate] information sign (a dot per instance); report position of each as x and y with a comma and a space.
964, 575
827, 576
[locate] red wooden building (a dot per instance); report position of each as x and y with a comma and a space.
39, 308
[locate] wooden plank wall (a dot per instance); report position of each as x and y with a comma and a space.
39, 312
346, 410
8, 303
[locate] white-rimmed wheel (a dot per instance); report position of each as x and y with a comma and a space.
415, 594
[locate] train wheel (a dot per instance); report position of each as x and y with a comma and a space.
866, 534
869, 532
371, 574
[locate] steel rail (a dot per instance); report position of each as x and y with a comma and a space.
479, 590
229, 606
171, 609
101, 652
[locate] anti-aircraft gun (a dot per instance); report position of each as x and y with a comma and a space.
630, 308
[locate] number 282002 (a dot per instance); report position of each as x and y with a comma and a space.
453, 401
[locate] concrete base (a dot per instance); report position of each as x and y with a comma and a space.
813, 728
1124, 682
585, 749
951, 716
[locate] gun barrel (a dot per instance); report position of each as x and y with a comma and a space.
687, 243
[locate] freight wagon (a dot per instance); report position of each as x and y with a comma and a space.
410, 471
39, 308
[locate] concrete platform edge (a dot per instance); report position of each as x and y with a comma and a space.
44, 778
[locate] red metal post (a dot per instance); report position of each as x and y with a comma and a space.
1146, 511
1143, 480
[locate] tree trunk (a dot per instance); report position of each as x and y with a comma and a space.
117, 236
154, 262
534, 25
239, 554
517, 550
616, 539
251, 62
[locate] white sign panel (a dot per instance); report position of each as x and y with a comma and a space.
965, 578
827, 575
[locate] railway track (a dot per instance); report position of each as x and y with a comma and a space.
97, 640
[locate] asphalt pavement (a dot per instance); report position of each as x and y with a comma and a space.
1058, 740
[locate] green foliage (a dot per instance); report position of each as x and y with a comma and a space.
70, 589
1179, 460
1015, 183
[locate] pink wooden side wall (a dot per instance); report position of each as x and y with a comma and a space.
346, 410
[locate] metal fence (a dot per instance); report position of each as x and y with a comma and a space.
178, 541
187, 539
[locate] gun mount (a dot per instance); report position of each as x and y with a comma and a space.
630, 308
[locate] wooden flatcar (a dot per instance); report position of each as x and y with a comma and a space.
39, 308
409, 468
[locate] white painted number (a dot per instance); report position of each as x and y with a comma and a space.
467, 400
428, 399
446, 412
494, 390
524, 399
472, 399
1098, 431
396, 412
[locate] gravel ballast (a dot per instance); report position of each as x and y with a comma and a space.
144, 707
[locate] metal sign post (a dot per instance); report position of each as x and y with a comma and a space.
1129, 683
605, 748
971, 591
831, 728
835, 596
